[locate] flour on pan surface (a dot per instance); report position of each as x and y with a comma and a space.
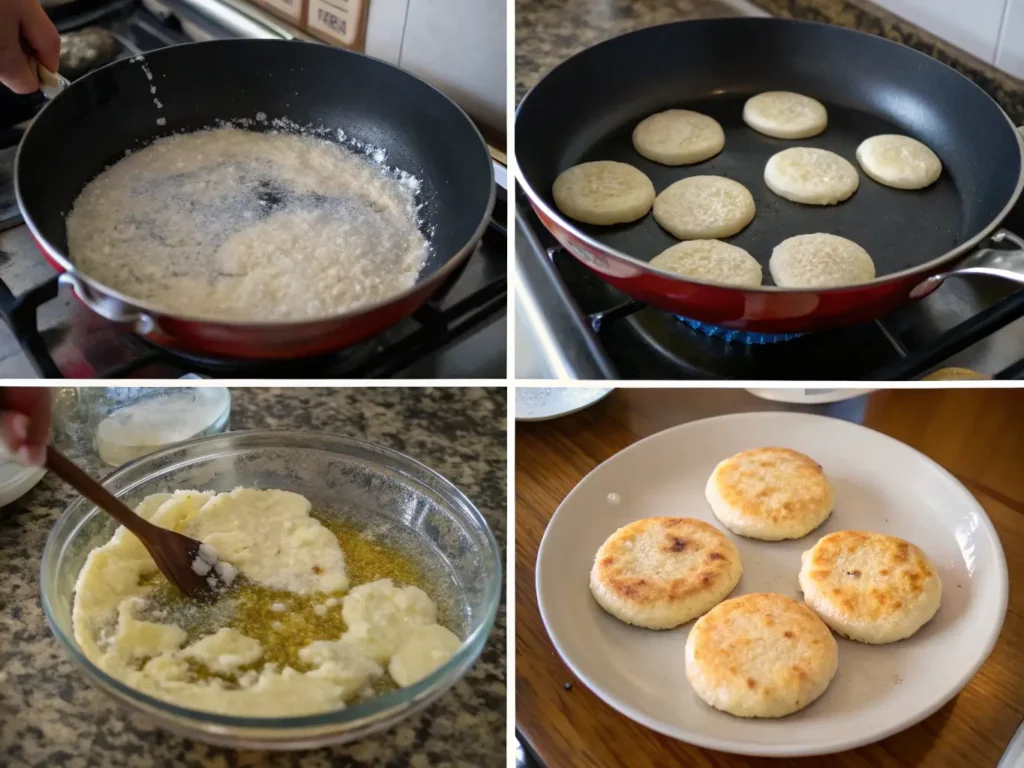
234, 225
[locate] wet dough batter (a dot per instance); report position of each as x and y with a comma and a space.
390, 631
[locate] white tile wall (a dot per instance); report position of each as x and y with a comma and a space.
1010, 53
385, 28
459, 46
973, 25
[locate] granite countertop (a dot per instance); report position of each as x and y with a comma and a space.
50, 715
550, 31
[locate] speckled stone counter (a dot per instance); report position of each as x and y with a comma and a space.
549, 31
50, 715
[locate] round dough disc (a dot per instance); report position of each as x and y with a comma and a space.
785, 115
704, 208
811, 176
711, 261
661, 572
603, 192
899, 161
678, 137
870, 587
770, 494
819, 261
760, 655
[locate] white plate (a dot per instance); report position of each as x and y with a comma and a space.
880, 485
808, 396
543, 403
16, 481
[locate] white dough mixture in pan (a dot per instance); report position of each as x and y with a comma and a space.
239, 226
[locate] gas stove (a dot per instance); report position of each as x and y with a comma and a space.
572, 325
460, 333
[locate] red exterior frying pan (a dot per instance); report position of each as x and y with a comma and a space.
586, 108
92, 123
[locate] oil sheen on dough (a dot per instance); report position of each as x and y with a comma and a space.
270, 537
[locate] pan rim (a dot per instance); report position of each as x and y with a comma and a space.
923, 270
142, 307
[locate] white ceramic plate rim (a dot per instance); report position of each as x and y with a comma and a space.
596, 395
699, 739
808, 396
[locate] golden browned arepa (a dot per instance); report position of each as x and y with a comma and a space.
664, 571
770, 494
760, 655
870, 587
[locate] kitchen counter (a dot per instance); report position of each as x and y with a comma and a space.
50, 715
968, 432
550, 31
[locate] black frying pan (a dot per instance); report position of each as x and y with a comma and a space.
587, 107
111, 110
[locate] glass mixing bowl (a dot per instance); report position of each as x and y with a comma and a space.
341, 477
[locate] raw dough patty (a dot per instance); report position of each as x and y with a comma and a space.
820, 261
811, 176
710, 261
664, 571
603, 192
704, 207
870, 587
678, 137
785, 115
899, 161
770, 494
760, 655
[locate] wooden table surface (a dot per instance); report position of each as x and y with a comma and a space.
978, 435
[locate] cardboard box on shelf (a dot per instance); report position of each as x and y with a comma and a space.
292, 11
338, 22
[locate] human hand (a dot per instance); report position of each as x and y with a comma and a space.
26, 35
25, 421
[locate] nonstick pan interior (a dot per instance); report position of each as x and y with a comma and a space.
587, 108
113, 109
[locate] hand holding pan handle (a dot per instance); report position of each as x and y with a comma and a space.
995, 262
109, 307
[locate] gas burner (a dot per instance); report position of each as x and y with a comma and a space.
297, 368
739, 337
577, 326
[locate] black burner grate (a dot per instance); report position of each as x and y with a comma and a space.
635, 341
456, 312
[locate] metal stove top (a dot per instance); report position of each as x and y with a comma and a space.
460, 333
572, 325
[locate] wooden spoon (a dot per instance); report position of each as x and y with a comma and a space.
173, 553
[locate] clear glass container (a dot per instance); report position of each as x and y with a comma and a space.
344, 479
125, 423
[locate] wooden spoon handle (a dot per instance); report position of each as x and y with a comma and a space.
76, 477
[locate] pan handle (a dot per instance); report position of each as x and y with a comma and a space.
107, 307
1007, 263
